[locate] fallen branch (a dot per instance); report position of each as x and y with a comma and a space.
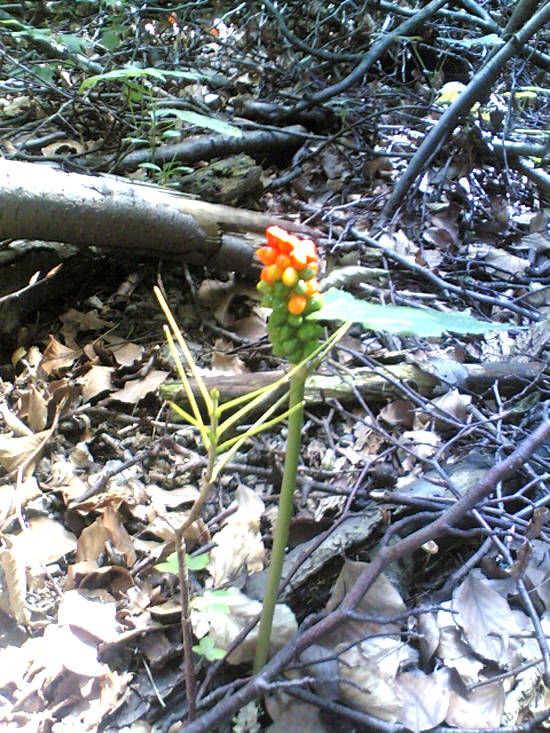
206, 147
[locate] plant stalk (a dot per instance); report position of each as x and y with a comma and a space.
294, 438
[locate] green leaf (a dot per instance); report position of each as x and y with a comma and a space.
136, 72
170, 565
213, 600
110, 39
339, 305
450, 92
193, 118
198, 562
207, 649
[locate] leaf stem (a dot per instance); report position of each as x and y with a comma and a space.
295, 420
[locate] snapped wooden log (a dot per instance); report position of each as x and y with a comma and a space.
43, 203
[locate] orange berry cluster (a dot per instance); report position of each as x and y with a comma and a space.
290, 287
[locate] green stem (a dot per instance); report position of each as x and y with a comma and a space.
280, 537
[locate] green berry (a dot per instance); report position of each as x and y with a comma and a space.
286, 332
306, 274
279, 315
315, 303
280, 290
294, 321
290, 346
309, 347
306, 332
264, 287
295, 357
300, 288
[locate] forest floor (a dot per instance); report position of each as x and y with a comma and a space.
409, 466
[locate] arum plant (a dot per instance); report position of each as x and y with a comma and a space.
290, 288
213, 430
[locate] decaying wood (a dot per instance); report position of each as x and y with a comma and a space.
321, 387
40, 202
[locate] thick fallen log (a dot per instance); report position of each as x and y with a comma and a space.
42, 203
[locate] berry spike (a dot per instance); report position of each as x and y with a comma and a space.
290, 287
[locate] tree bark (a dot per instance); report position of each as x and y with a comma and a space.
40, 202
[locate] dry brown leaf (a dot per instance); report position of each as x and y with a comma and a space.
290, 714
486, 620
92, 611
97, 381
119, 537
43, 542
13, 583
127, 353
251, 327
482, 709
91, 543
398, 412
74, 321
382, 599
425, 699
364, 688
453, 650
16, 425
136, 389
239, 545
212, 292
15, 452
507, 262
227, 364
58, 357
454, 404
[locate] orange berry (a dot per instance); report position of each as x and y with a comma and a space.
287, 243
283, 261
289, 277
270, 273
266, 255
299, 256
296, 304
312, 286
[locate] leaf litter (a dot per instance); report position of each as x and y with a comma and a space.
83, 599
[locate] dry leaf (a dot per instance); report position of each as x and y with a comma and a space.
223, 625
398, 412
92, 611
13, 583
482, 709
97, 381
14, 452
43, 542
136, 389
425, 699
486, 620
57, 357
239, 542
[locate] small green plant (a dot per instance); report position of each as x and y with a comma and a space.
206, 647
194, 564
